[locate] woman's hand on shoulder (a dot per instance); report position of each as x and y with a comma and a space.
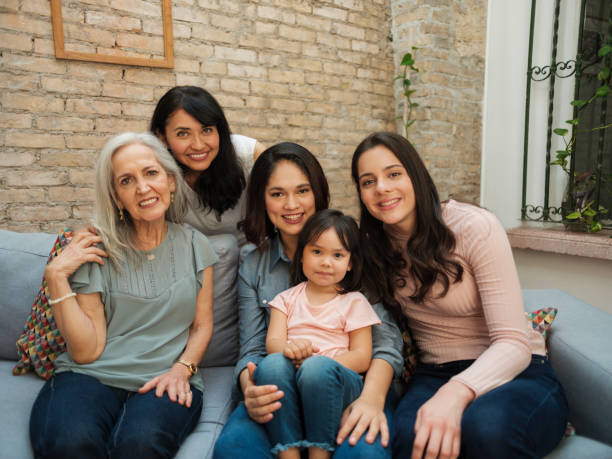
82, 248
260, 401
360, 416
438, 422
175, 381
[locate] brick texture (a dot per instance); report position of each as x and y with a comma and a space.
319, 73
449, 87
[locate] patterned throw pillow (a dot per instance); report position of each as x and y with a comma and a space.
542, 319
41, 343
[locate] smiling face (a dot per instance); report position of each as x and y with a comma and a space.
142, 186
385, 188
325, 261
289, 199
192, 144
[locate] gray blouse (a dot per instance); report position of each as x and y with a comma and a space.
149, 306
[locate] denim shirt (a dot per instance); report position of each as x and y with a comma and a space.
261, 277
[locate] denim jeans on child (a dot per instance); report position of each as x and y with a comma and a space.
243, 437
523, 418
316, 394
75, 415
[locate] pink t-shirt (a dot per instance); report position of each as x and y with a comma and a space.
481, 317
326, 325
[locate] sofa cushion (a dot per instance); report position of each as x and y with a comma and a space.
579, 345
19, 392
579, 446
22, 262
216, 408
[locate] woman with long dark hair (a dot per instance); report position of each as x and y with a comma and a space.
483, 387
286, 187
215, 162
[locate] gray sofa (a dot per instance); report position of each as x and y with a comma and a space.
580, 346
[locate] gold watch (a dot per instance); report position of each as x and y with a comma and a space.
193, 369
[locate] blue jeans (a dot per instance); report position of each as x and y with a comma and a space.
75, 415
243, 437
315, 397
523, 418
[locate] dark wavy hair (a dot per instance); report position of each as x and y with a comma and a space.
430, 248
348, 232
219, 187
256, 225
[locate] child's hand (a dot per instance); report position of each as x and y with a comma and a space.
299, 350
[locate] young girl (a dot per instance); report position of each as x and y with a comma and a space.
319, 338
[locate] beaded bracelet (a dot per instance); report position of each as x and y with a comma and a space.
59, 300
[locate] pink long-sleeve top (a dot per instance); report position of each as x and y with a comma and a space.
482, 316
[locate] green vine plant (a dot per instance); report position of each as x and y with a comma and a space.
581, 201
408, 61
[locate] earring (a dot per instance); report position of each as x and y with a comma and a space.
171, 197
121, 217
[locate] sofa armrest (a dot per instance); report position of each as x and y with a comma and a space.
580, 344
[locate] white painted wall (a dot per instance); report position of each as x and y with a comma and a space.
586, 278
503, 130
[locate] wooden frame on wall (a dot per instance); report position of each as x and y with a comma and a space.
61, 53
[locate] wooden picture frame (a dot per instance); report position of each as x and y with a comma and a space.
61, 53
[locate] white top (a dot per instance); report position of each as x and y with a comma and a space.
205, 220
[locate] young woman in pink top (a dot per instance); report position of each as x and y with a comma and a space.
319, 338
483, 387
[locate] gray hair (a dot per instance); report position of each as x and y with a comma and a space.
116, 233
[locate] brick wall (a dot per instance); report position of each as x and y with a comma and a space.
314, 72
449, 87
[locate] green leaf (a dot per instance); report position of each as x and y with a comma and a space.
604, 74
409, 93
407, 59
560, 131
595, 227
414, 48
573, 216
579, 103
604, 50
414, 104
603, 91
589, 213
573, 122
410, 123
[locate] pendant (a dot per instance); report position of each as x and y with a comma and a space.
150, 256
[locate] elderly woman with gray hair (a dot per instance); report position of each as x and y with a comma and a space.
133, 302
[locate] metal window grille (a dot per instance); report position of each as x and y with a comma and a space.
591, 158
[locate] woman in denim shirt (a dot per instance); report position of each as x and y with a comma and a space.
287, 185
